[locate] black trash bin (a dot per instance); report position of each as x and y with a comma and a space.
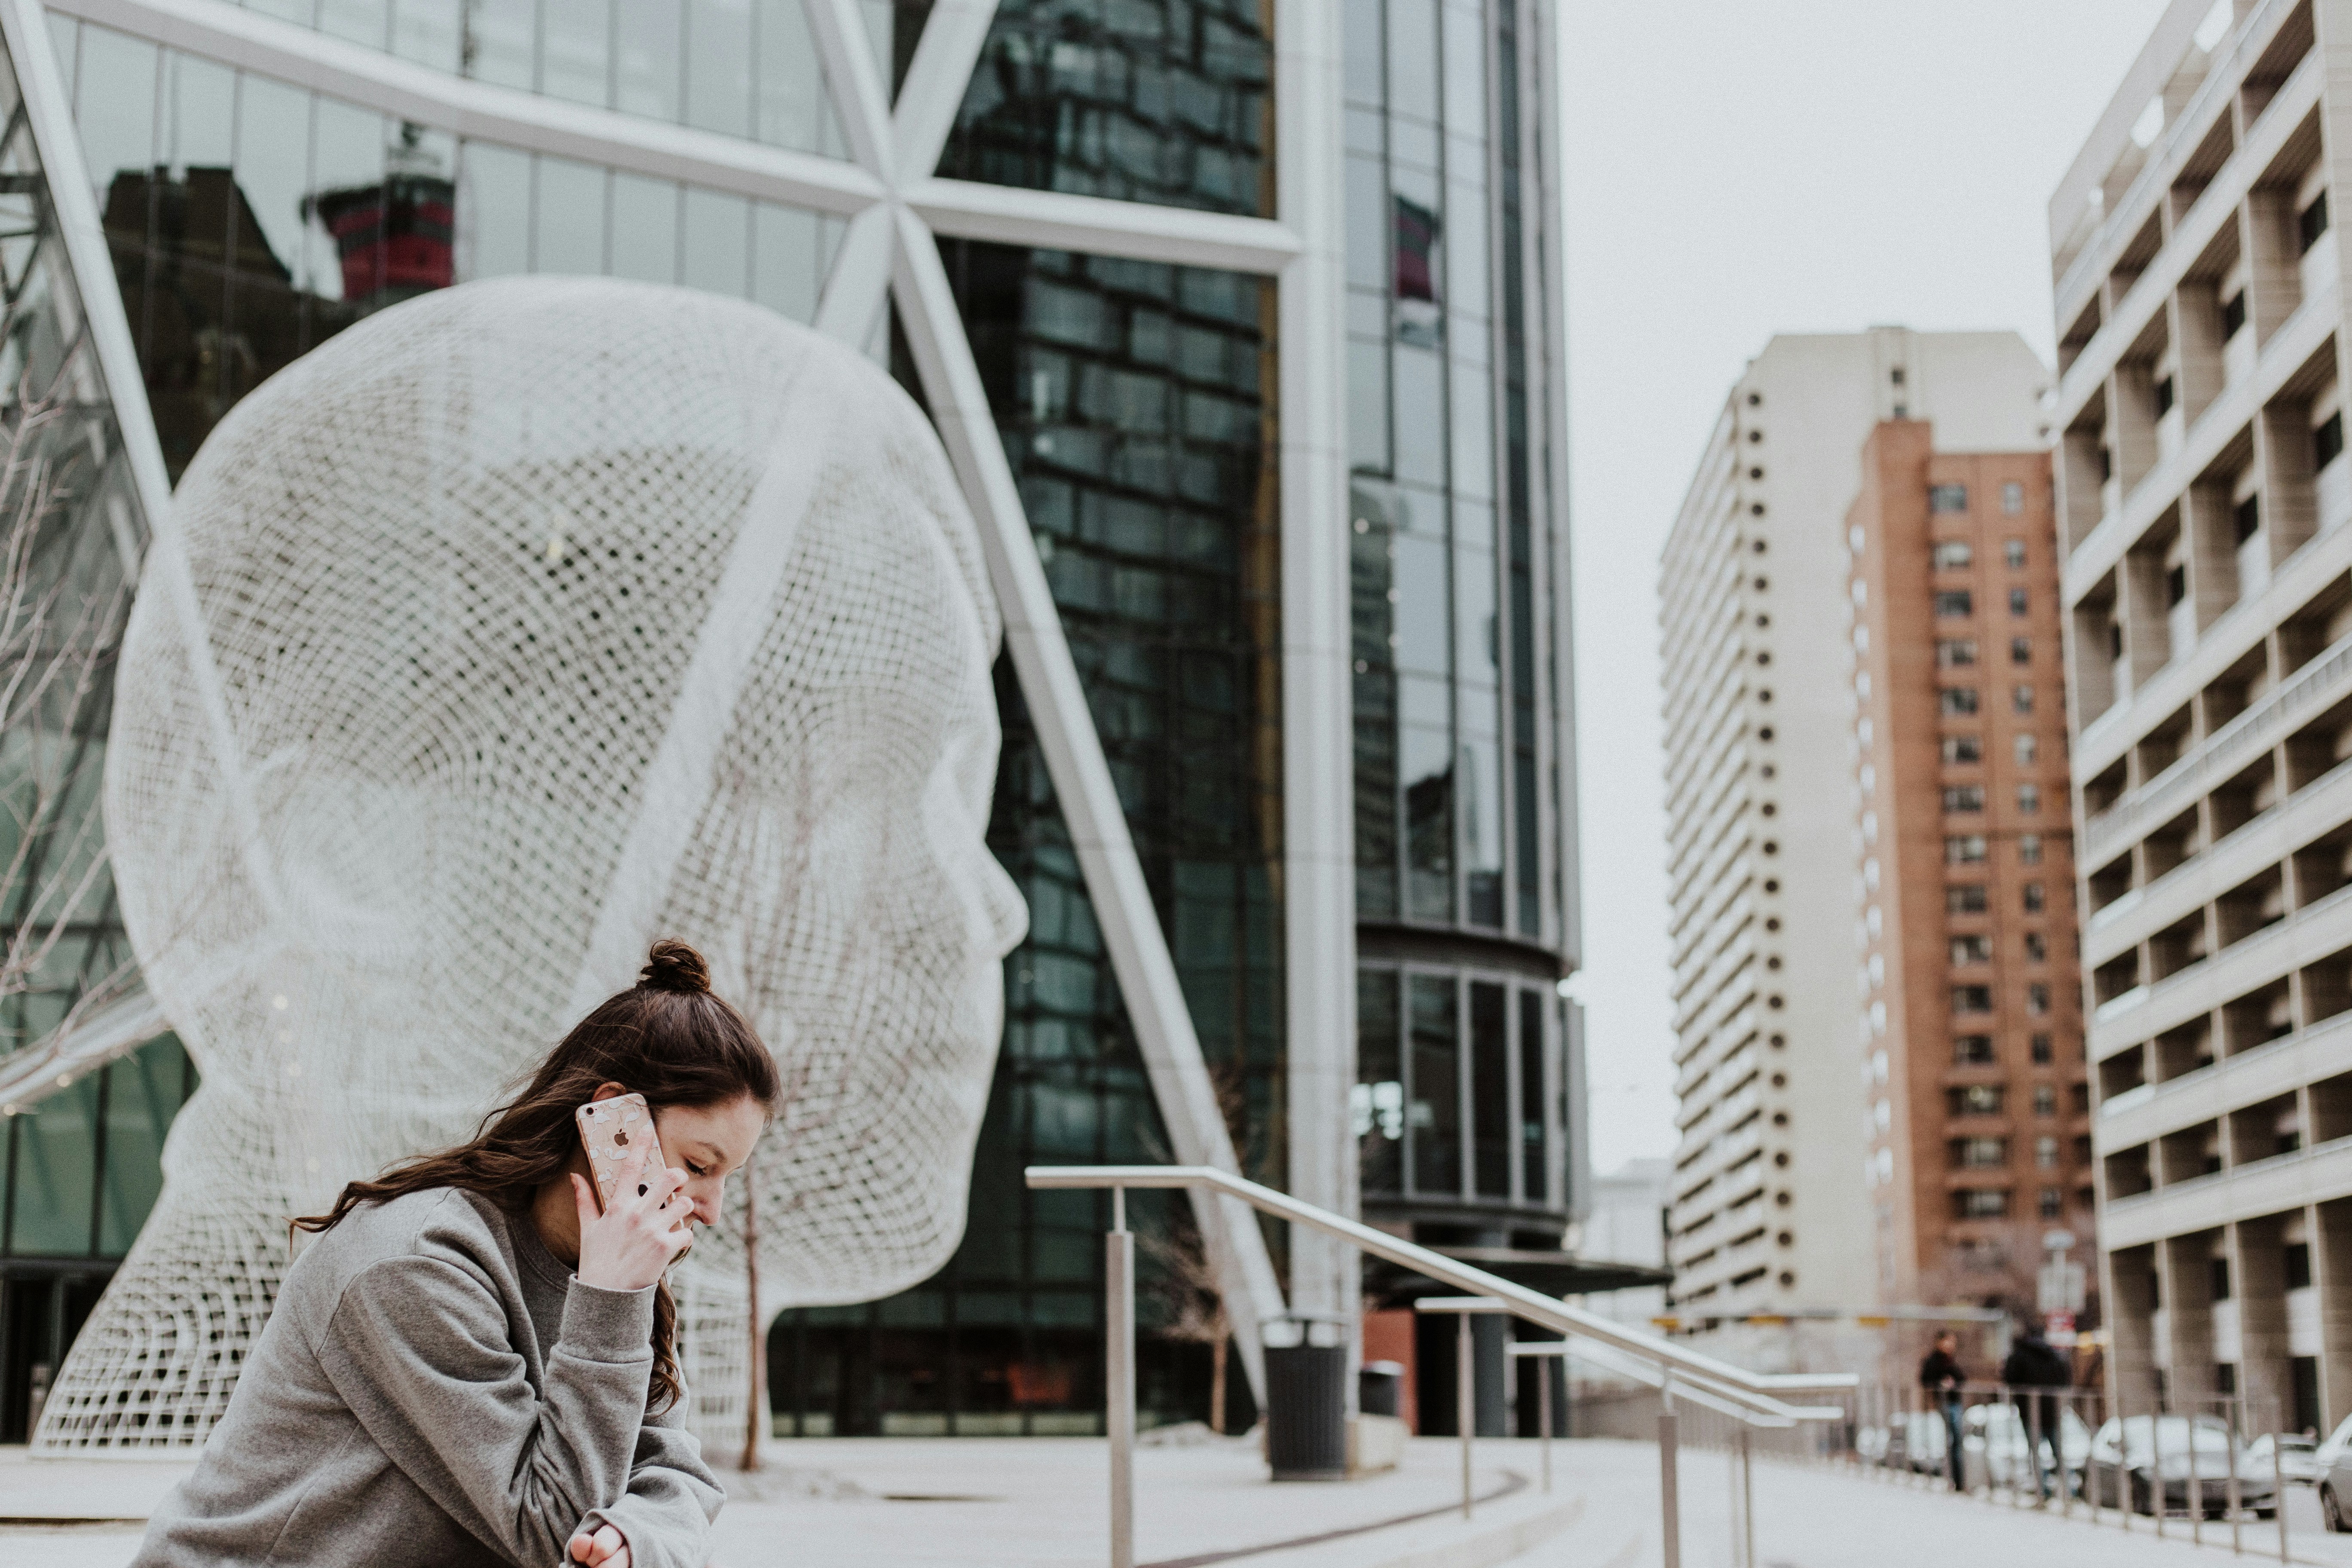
1379, 1388
1306, 1412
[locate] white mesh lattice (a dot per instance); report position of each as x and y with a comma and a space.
552, 615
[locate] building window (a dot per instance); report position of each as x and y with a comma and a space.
1948, 498
2021, 699
2233, 315
1954, 653
1954, 604
1965, 899
2037, 999
2035, 899
2045, 1153
1975, 1051
1982, 1203
1960, 749
1964, 849
1969, 1000
2216, 1281
2297, 1270
2021, 650
2163, 392
2046, 1100
2042, 1054
2176, 585
2028, 848
1976, 1099
1957, 701
2053, 1202
1980, 1154
1964, 797
2029, 798
1953, 555
2311, 222
1971, 950
2012, 501
2026, 748
2037, 948
2327, 441
2248, 518
2017, 601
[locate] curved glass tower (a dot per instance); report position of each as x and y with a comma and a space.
1249, 362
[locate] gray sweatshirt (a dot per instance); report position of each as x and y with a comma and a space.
433, 1387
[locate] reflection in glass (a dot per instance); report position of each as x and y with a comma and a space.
1435, 1119
1372, 616
1429, 824
1150, 100
1378, 1102
1490, 1090
1533, 1177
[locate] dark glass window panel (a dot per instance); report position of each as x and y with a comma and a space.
1433, 1090
1373, 633
1490, 1090
1535, 1183
643, 241
1379, 1083
1428, 767
576, 53
719, 65
429, 32
1413, 57
501, 42
1151, 100
55, 1179
648, 64
144, 1092
568, 216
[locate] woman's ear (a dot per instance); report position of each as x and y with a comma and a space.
607, 1090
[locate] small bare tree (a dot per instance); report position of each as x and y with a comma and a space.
1187, 1287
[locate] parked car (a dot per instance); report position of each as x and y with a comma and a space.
1996, 1438
2297, 1456
2333, 1460
2136, 1460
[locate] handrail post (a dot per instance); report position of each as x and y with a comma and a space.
1118, 1278
1747, 1497
2278, 1493
1670, 1511
1464, 1401
1543, 1410
2237, 1494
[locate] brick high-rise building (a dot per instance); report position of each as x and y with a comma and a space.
1770, 1216
1975, 1110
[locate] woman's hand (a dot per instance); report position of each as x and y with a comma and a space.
627, 1246
605, 1549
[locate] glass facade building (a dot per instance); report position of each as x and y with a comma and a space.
261, 188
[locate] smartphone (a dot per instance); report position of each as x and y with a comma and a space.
611, 1131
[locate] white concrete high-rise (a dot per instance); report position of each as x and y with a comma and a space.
1769, 1214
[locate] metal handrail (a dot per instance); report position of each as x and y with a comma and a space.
1758, 1392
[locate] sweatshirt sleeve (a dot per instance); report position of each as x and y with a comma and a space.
421, 1352
672, 1500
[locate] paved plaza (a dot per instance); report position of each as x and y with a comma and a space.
1039, 1503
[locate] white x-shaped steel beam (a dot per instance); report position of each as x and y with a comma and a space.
889, 253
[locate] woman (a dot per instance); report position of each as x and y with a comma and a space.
472, 1365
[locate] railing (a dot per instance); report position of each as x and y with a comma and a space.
1750, 1397
2207, 1463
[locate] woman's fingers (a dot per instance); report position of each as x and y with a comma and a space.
579, 1546
612, 1551
583, 1195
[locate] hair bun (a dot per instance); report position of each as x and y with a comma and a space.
673, 966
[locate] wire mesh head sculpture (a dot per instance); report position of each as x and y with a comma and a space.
548, 616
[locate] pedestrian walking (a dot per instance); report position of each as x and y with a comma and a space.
473, 1361
2033, 1362
1942, 1376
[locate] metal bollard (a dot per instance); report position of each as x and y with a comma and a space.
1464, 1401
1543, 1413
2196, 1484
1747, 1498
2278, 1495
1118, 1281
1670, 1511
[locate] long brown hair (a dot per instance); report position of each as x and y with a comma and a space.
666, 1038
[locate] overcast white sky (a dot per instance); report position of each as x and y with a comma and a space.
1736, 170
